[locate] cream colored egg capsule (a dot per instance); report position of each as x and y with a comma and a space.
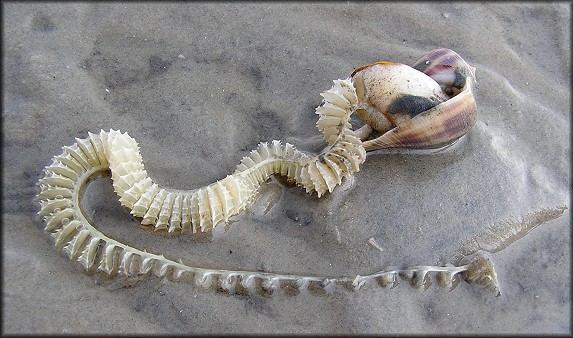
416, 109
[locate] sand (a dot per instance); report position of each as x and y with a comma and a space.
200, 85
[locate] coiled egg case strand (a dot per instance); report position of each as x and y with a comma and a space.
422, 106
429, 105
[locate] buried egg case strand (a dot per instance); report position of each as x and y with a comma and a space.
429, 105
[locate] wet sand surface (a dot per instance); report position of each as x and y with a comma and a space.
200, 85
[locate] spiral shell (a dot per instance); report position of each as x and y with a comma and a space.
428, 105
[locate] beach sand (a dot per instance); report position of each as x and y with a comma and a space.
200, 85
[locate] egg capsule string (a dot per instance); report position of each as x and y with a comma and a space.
443, 119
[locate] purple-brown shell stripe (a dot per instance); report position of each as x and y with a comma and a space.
423, 132
442, 56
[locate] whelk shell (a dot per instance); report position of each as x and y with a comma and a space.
429, 105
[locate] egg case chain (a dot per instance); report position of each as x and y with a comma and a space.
199, 210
